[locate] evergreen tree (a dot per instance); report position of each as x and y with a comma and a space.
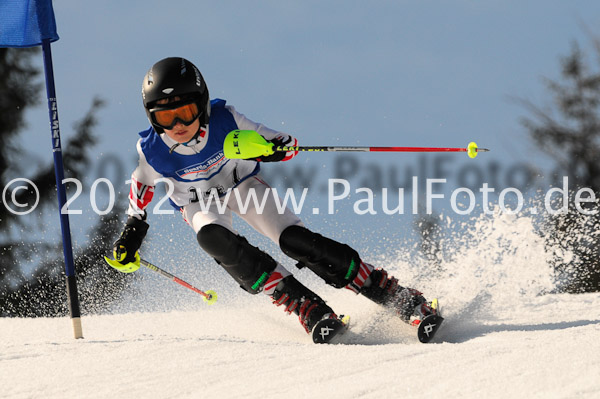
570, 132
31, 263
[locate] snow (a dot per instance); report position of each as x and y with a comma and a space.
546, 347
505, 335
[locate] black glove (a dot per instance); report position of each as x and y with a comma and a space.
131, 240
278, 155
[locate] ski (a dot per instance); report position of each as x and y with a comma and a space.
329, 331
428, 326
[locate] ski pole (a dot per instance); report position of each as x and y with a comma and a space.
471, 149
210, 296
248, 144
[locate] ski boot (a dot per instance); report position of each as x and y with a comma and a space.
314, 314
408, 303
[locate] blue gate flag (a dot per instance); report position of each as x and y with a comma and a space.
26, 23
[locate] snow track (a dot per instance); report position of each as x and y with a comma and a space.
551, 352
504, 336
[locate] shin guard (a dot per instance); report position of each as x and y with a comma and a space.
247, 264
336, 263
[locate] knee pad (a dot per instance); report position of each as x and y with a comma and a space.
247, 264
336, 263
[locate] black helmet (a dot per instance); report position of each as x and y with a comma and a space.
175, 76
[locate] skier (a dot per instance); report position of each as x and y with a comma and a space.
184, 145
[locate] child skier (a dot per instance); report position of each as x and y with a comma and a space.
184, 145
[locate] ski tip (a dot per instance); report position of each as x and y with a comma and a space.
328, 331
428, 327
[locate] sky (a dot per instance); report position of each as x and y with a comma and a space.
426, 73
397, 73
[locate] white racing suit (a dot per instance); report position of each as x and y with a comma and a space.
197, 172
194, 172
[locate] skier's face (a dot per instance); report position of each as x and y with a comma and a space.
180, 132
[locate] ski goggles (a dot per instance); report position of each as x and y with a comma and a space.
168, 118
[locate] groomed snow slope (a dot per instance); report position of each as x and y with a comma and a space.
545, 347
504, 337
